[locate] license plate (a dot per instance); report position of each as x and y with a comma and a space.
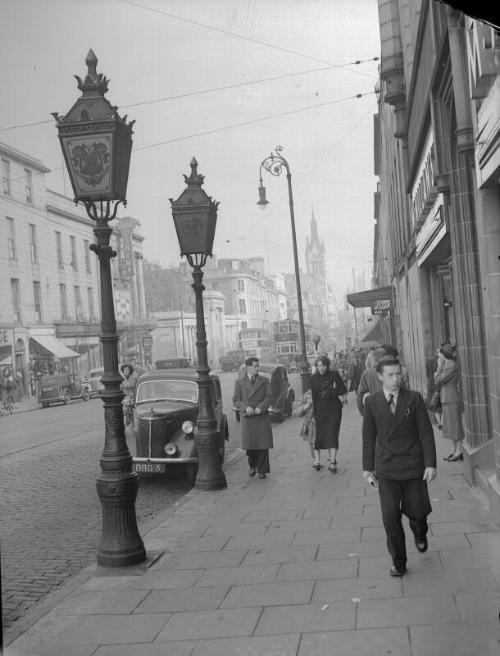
149, 467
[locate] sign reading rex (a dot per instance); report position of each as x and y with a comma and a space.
381, 307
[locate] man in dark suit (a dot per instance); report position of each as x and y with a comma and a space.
252, 398
399, 455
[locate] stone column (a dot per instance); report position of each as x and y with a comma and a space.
140, 287
465, 253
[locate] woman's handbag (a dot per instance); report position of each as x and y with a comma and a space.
435, 403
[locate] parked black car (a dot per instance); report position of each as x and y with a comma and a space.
164, 424
282, 393
60, 388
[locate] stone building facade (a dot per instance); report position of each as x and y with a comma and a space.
437, 217
49, 279
256, 298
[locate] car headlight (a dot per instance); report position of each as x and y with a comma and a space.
171, 450
187, 427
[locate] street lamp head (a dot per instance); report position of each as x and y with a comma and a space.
96, 142
262, 195
195, 217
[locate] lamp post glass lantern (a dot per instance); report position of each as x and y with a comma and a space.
195, 218
275, 164
96, 144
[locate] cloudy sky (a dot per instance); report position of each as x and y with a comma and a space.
225, 81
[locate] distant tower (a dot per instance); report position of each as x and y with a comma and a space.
315, 252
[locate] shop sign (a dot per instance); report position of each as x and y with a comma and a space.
424, 192
381, 308
6, 337
147, 341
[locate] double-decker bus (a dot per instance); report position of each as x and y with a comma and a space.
286, 338
256, 342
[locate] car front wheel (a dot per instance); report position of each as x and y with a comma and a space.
66, 398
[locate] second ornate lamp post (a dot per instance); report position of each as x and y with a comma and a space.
96, 144
274, 164
195, 218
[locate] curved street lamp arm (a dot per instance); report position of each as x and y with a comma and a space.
274, 163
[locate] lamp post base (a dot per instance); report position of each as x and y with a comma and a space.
121, 545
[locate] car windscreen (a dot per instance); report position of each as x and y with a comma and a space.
176, 390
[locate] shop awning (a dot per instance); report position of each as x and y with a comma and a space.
369, 297
55, 346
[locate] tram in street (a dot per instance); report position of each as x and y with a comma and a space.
256, 342
286, 340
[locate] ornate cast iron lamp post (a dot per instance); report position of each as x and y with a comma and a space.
195, 218
274, 164
96, 144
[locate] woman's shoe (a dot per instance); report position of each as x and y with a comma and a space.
332, 466
460, 456
449, 458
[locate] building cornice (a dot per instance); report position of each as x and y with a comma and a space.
23, 158
68, 215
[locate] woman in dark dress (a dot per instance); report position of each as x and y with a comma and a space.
326, 388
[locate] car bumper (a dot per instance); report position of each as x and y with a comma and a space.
167, 461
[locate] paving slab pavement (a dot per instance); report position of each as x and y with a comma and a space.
293, 565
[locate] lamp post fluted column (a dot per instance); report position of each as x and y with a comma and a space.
274, 164
117, 485
210, 475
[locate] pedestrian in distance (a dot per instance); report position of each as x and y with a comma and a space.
399, 457
326, 388
127, 386
370, 382
356, 368
252, 398
435, 411
446, 377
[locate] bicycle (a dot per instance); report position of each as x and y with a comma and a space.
8, 404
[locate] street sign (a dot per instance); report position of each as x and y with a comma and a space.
381, 307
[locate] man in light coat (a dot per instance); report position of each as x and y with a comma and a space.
252, 398
399, 456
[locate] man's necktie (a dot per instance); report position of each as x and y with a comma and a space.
253, 379
390, 402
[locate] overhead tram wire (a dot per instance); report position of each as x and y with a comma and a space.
227, 87
236, 125
227, 32
253, 121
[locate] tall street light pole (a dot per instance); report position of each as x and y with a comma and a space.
274, 164
96, 144
195, 218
